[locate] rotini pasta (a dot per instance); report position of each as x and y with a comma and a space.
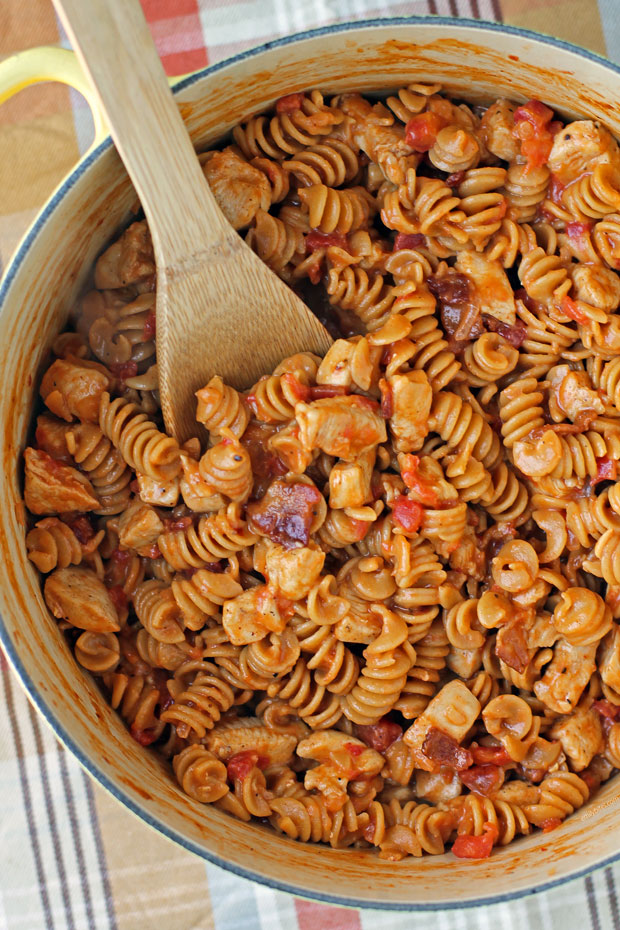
377, 605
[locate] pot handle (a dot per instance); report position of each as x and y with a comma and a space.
50, 63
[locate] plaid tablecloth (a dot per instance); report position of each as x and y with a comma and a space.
70, 856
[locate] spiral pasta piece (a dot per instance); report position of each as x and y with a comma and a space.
593, 195
274, 242
221, 407
199, 707
104, 465
332, 163
543, 276
227, 468
332, 210
287, 132
383, 677
52, 544
138, 440
200, 774
520, 410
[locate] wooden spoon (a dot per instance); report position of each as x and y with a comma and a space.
220, 310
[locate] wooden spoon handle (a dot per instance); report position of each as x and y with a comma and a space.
115, 47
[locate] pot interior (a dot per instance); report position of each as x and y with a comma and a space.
51, 268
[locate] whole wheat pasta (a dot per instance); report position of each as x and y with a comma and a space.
377, 604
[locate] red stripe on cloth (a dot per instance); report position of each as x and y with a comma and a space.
182, 62
3, 662
168, 9
311, 916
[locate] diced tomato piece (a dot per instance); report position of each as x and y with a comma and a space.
319, 391
144, 737
354, 749
551, 823
380, 735
439, 747
532, 127
421, 130
476, 847
149, 326
534, 112
119, 598
299, 390
607, 470
125, 370
426, 494
606, 709
320, 240
387, 399
290, 102
578, 232
408, 241
571, 309
407, 514
120, 556
241, 764
490, 755
359, 527
483, 779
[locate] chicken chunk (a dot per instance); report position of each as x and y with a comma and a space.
596, 285
128, 261
77, 595
342, 758
160, 493
566, 676
52, 487
293, 572
579, 147
349, 482
373, 131
240, 189
250, 616
496, 129
492, 292
571, 393
412, 397
50, 436
340, 426
609, 659
139, 525
70, 390
581, 736
248, 734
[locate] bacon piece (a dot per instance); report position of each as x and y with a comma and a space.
607, 709
515, 334
607, 470
443, 750
285, 512
380, 735
460, 318
511, 646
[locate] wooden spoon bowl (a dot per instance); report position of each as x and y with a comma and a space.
220, 310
